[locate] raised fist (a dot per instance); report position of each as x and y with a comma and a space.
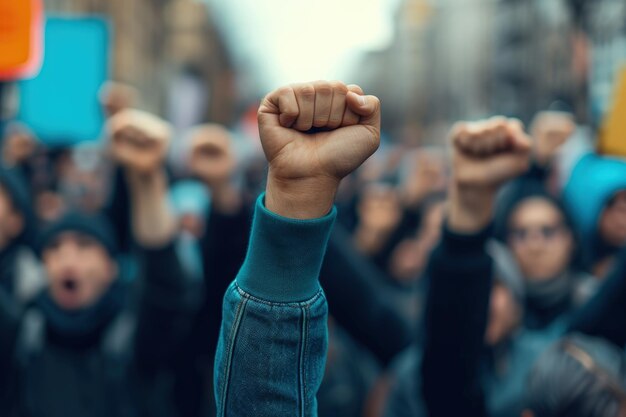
19, 144
550, 130
313, 135
212, 159
488, 153
139, 140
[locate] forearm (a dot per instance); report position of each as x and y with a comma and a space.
153, 223
459, 276
273, 338
352, 286
224, 248
166, 308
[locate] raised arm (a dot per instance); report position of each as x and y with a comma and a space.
485, 155
272, 348
139, 144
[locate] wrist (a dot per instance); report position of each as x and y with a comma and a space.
138, 180
225, 198
307, 198
470, 208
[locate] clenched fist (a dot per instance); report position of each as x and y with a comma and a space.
212, 158
139, 140
486, 154
313, 135
550, 130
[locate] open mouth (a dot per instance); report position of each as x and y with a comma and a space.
70, 285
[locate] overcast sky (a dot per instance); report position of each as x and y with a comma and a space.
283, 41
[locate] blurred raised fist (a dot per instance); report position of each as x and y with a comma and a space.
550, 130
427, 176
313, 135
115, 97
488, 153
19, 144
212, 159
139, 140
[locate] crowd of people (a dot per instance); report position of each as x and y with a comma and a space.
162, 273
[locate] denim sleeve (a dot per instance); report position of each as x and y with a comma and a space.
272, 350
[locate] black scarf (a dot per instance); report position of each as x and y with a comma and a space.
81, 328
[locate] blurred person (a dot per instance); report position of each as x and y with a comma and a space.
279, 337
596, 196
379, 213
115, 97
19, 275
49, 206
550, 130
18, 145
349, 376
487, 154
211, 159
510, 350
409, 258
190, 203
540, 231
363, 300
425, 174
84, 347
83, 180
578, 376
541, 235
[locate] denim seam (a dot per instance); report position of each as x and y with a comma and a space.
229, 352
301, 304
301, 366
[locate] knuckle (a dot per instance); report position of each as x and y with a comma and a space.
355, 89
307, 91
339, 88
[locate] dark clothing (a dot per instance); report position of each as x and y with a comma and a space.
350, 375
223, 250
605, 314
8, 259
106, 360
459, 274
356, 298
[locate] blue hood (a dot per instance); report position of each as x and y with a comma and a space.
594, 180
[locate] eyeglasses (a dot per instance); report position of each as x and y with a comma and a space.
546, 232
617, 202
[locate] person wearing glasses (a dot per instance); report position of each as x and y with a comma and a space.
539, 232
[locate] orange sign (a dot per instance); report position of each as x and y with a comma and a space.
613, 132
21, 24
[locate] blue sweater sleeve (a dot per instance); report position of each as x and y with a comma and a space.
272, 348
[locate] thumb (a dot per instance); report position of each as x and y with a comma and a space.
368, 107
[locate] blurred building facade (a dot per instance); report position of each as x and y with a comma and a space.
605, 23
535, 57
436, 69
165, 48
466, 59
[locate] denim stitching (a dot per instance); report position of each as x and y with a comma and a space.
310, 301
229, 350
302, 367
